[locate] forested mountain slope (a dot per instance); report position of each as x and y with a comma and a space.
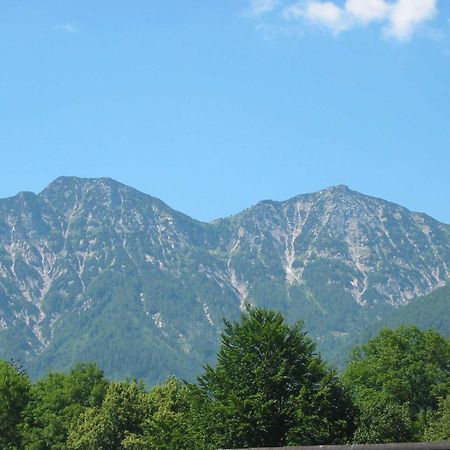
91, 269
430, 311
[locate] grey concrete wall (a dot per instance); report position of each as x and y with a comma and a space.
403, 446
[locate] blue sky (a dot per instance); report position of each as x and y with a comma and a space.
213, 106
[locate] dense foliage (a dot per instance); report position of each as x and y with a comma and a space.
56, 402
439, 427
268, 388
399, 377
14, 397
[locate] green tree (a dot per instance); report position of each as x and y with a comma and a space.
439, 427
403, 370
269, 388
106, 427
170, 422
14, 396
57, 401
381, 421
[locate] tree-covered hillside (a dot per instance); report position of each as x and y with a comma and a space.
269, 387
93, 270
431, 311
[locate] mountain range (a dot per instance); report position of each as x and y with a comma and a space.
91, 269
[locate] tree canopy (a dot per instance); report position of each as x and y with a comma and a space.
56, 401
270, 388
439, 426
404, 369
14, 396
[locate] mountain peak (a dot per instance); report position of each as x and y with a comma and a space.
105, 188
338, 191
87, 257
71, 182
338, 188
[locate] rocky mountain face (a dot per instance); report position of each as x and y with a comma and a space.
91, 269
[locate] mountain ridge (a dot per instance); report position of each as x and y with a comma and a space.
331, 188
91, 263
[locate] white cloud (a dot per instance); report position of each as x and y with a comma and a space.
326, 14
367, 11
406, 15
259, 7
401, 18
67, 28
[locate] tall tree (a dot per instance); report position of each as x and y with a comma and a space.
106, 427
170, 419
270, 388
56, 401
403, 368
381, 421
439, 427
14, 396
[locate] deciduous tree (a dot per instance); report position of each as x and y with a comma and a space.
56, 402
270, 388
405, 370
106, 427
14, 396
439, 427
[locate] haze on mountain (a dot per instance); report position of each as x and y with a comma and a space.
91, 269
